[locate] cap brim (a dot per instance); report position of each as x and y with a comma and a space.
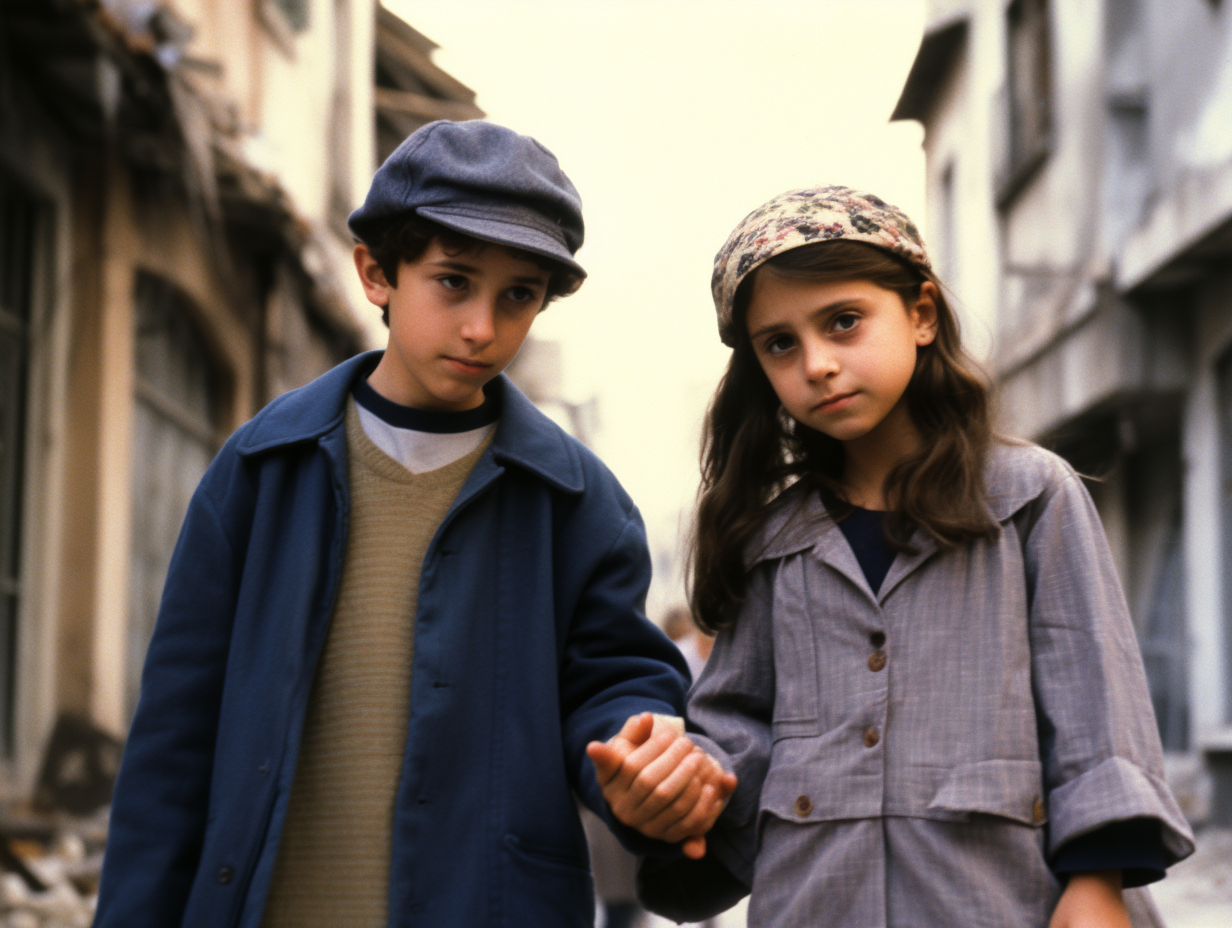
500, 232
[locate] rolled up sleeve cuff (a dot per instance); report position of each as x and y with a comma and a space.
1113, 791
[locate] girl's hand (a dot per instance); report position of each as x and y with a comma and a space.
657, 781
1091, 900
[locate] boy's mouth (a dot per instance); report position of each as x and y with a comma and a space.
467, 366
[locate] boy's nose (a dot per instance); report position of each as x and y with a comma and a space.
479, 326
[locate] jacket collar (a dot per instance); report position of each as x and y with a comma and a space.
1015, 474
524, 436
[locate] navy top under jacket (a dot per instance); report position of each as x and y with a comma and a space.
530, 641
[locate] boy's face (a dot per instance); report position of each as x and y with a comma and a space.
455, 322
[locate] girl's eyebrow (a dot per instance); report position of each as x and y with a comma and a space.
845, 303
837, 305
765, 329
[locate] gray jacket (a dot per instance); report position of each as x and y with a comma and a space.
997, 682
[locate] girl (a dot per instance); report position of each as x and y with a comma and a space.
925, 676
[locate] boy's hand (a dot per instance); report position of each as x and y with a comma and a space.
1091, 900
658, 781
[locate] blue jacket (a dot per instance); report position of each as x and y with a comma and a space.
530, 641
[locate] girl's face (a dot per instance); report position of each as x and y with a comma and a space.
839, 355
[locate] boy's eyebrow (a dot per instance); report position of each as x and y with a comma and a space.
464, 268
457, 266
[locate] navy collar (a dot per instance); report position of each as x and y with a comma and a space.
436, 421
524, 436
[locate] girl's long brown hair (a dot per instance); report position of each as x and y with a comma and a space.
752, 450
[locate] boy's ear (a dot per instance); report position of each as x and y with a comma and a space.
376, 287
924, 314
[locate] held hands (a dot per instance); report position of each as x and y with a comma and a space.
1091, 900
658, 781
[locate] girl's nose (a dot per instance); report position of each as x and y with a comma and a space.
819, 363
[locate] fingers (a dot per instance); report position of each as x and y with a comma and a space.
656, 780
606, 759
663, 779
638, 729
608, 756
694, 848
646, 769
697, 819
687, 802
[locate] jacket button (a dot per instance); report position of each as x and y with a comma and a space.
877, 660
871, 736
804, 806
224, 875
877, 639
1037, 811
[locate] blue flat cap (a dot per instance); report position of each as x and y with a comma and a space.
482, 180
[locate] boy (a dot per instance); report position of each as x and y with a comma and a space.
401, 605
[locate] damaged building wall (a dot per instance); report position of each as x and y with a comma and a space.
171, 283
1101, 213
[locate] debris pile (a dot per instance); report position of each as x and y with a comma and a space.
51, 848
51, 872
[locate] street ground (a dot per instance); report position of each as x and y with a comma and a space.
1198, 892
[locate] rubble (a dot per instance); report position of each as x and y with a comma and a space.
62, 858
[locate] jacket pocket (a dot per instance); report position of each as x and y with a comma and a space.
547, 857
547, 886
1011, 789
796, 700
819, 792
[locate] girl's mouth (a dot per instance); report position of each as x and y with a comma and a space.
835, 402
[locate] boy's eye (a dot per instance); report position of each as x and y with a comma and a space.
452, 281
520, 294
845, 322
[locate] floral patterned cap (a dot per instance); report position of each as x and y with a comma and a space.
801, 217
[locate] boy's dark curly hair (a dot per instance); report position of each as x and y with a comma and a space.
405, 238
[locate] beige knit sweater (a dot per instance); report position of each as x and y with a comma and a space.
333, 860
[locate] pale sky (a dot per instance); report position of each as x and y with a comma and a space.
674, 119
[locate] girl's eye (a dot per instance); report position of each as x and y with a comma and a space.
778, 344
845, 322
453, 281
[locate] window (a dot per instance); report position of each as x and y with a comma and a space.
175, 437
1127, 176
1225, 426
17, 235
284, 20
948, 229
1164, 645
295, 12
1027, 98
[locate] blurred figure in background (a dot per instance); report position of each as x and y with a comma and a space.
695, 646
615, 871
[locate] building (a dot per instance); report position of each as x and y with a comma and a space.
174, 182
1079, 185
